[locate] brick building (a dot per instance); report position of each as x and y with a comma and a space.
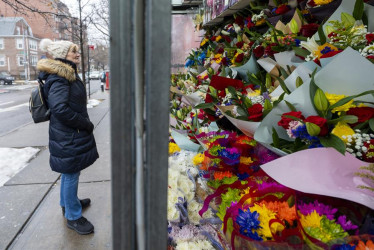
19, 48
21, 31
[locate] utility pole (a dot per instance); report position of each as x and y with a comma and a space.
88, 75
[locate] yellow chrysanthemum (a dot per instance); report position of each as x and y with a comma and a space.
265, 215
203, 42
173, 148
218, 38
342, 129
322, 2
256, 92
332, 98
246, 160
198, 159
311, 220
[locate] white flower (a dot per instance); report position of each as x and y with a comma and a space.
310, 45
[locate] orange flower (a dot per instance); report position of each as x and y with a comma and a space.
220, 175
205, 164
284, 212
362, 246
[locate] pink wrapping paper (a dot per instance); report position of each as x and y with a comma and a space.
322, 171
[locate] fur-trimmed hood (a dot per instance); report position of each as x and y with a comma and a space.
57, 67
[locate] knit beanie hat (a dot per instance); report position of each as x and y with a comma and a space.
57, 49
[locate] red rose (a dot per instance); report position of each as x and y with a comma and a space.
220, 50
285, 121
225, 61
269, 51
227, 38
282, 9
369, 38
239, 20
213, 38
258, 51
320, 122
239, 44
363, 114
312, 3
308, 30
371, 57
255, 112
239, 58
201, 114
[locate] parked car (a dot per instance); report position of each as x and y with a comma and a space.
95, 75
5, 78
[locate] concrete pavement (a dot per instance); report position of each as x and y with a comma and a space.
30, 215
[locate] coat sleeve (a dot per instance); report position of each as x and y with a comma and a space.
58, 101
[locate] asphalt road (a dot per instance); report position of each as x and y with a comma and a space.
14, 105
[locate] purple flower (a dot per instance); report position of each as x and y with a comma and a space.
346, 225
248, 222
320, 208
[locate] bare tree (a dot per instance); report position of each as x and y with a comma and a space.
100, 17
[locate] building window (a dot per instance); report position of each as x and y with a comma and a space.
34, 60
33, 45
20, 60
2, 61
1, 43
19, 43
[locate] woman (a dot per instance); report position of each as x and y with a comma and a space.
72, 145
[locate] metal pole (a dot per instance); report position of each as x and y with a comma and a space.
88, 74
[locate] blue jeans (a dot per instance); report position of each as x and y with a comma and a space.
69, 196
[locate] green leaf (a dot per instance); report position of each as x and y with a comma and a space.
301, 52
232, 90
299, 82
283, 72
290, 106
358, 11
280, 98
283, 85
213, 91
267, 107
322, 36
247, 102
242, 111
268, 82
349, 98
332, 141
204, 105
275, 136
293, 118
371, 124
346, 118
291, 201
294, 26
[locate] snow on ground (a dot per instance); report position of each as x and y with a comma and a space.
13, 160
93, 103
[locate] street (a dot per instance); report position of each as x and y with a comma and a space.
14, 105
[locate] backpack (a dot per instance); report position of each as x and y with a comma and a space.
37, 105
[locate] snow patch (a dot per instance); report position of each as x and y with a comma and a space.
13, 160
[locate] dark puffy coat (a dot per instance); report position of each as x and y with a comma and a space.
72, 145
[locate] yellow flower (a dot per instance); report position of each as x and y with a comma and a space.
173, 148
342, 129
265, 216
322, 2
218, 38
260, 22
256, 92
203, 42
332, 98
311, 220
323, 49
198, 159
246, 160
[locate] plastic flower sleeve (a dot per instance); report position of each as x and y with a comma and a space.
249, 67
349, 81
247, 127
184, 143
322, 171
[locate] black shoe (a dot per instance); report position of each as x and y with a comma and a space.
81, 226
84, 203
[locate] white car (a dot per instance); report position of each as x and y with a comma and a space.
94, 75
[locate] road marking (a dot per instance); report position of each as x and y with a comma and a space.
14, 107
5, 103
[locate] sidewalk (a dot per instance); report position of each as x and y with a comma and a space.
30, 215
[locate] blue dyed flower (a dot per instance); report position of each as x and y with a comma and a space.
189, 63
297, 42
248, 222
345, 247
302, 133
201, 58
